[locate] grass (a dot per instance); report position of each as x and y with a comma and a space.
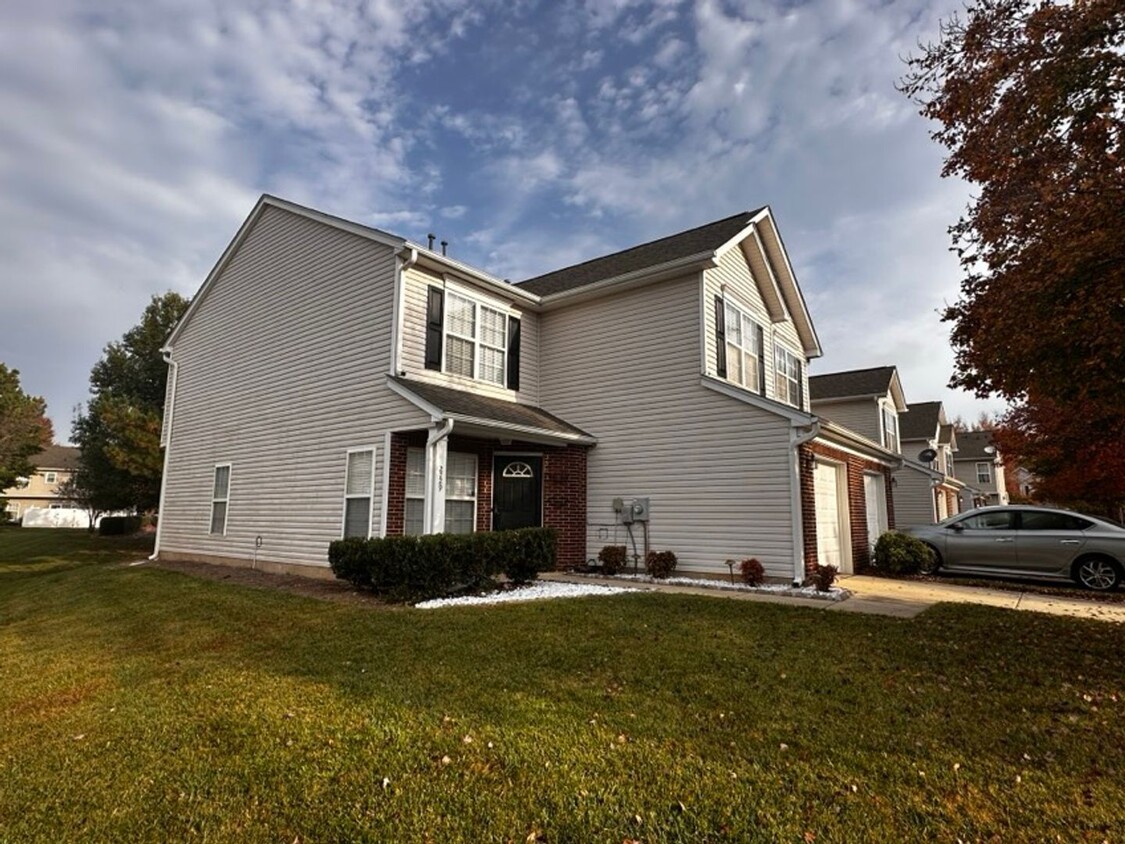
144, 705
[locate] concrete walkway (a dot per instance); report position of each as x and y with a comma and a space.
897, 598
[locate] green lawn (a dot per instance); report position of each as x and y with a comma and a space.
144, 705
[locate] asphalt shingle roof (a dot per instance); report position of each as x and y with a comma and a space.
56, 457
971, 445
855, 382
462, 403
920, 422
684, 244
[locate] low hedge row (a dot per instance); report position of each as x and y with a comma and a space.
900, 553
415, 568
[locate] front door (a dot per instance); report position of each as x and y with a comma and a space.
517, 492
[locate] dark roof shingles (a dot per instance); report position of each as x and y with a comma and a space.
705, 238
56, 457
463, 403
971, 445
920, 422
854, 382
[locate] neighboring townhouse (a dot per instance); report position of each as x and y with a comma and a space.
330, 379
53, 467
978, 463
928, 490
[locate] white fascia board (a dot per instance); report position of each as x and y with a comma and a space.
750, 232
796, 417
922, 468
264, 200
445, 264
838, 436
897, 394
510, 427
842, 399
802, 319
648, 275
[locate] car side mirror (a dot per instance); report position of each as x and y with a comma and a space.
957, 527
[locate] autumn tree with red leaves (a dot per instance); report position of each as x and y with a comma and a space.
1030, 102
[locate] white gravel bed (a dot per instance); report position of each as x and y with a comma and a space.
542, 590
833, 594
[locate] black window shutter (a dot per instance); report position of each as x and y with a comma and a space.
800, 386
761, 359
513, 353
720, 338
434, 325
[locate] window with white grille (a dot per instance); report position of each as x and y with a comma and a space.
890, 429
415, 491
476, 339
460, 492
220, 499
743, 339
787, 377
359, 485
984, 473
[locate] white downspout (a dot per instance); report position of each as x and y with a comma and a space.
397, 307
167, 450
436, 449
796, 440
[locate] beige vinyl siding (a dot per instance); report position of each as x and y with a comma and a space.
861, 416
913, 498
742, 289
413, 354
625, 369
281, 370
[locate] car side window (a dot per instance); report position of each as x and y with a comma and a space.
995, 520
1030, 520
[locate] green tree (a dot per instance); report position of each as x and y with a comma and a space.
119, 432
24, 427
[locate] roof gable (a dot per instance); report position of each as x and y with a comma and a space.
922, 421
971, 445
874, 382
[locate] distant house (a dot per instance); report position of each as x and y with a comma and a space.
53, 467
931, 492
980, 464
332, 380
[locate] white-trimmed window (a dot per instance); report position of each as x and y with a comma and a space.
787, 376
359, 487
890, 429
743, 338
220, 499
13, 510
984, 473
50, 477
476, 339
415, 491
460, 492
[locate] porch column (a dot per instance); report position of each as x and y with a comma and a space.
437, 451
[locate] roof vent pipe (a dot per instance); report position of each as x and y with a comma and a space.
431, 237
444, 244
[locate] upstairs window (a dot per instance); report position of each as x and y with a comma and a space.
220, 499
787, 377
984, 473
50, 477
476, 339
890, 430
744, 348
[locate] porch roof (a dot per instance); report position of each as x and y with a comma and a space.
507, 417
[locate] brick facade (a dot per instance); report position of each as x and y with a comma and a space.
564, 487
857, 501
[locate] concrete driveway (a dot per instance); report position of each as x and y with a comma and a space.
906, 598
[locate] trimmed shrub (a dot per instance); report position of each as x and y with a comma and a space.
613, 558
119, 525
900, 553
752, 572
414, 568
823, 577
660, 564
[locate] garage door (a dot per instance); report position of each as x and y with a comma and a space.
829, 527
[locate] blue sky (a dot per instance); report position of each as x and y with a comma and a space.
531, 135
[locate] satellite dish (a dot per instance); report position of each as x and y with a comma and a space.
927, 456
990, 449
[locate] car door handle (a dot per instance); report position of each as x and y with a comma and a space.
1005, 539
1070, 542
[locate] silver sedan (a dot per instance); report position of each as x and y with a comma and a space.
1036, 542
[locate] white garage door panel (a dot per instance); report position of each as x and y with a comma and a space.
828, 533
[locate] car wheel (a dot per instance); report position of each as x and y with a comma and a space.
932, 562
1098, 573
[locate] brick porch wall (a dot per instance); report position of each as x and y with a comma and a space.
857, 502
564, 487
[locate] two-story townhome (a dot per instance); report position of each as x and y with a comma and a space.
928, 491
979, 464
331, 379
53, 467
